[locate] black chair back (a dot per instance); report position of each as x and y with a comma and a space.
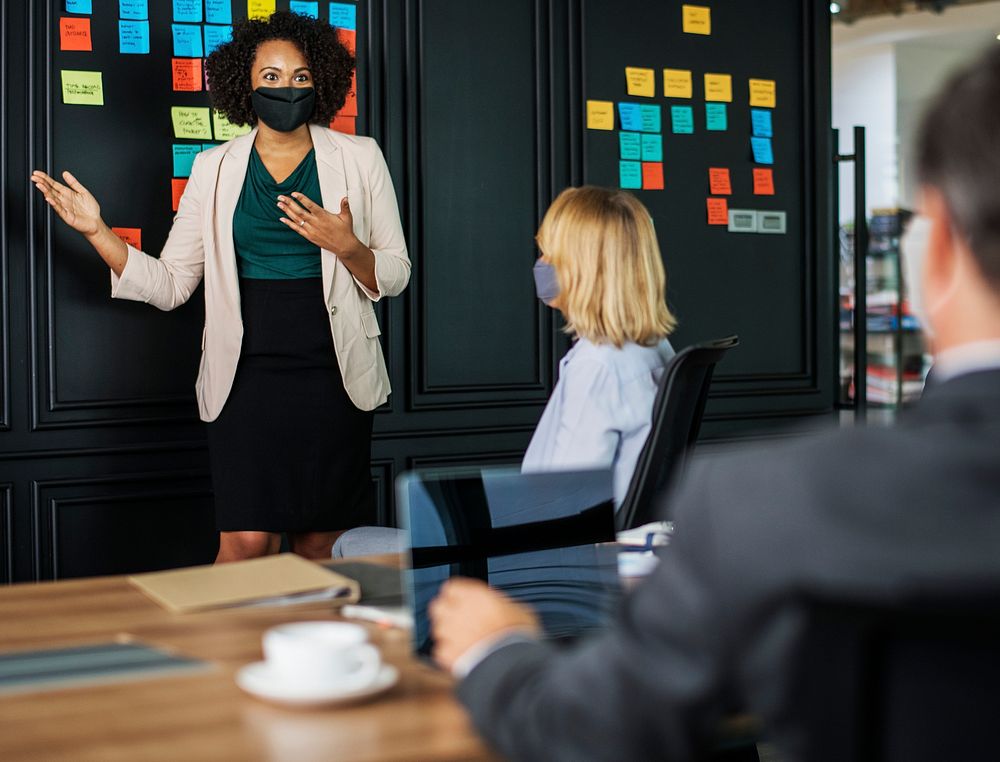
677, 411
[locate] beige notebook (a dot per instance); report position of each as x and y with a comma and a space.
268, 581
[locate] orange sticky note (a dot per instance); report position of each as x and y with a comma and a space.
177, 186
718, 211
74, 34
351, 102
763, 182
718, 181
349, 38
187, 74
652, 175
131, 236
344, 124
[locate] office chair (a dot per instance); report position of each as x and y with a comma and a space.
913, 682
677, 411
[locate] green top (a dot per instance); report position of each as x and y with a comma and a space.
265, 246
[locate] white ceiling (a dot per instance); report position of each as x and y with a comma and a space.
968, 26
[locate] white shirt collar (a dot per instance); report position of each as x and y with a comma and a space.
967, 358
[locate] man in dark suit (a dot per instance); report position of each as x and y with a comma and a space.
868, 514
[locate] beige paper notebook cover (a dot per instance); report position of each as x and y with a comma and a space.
271, 580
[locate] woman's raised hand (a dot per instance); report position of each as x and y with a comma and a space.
72, 202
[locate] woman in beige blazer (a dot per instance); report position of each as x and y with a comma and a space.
296, 232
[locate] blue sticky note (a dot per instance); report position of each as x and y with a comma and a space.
630, 116
630, 174
761, 121
206, 146
682, 119
649, 118
216, 36
305, 8
79, 6
762, 151
187, 41
184, 158
133, 10
652, 148
629, 145
344, 15
219, 11
715, 117
133, 36
187, 10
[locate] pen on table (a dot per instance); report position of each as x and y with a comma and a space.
379, 616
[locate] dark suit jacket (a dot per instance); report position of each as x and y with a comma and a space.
872, 514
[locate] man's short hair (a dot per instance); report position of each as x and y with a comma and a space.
958, 153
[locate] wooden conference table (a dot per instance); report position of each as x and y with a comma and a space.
205, 716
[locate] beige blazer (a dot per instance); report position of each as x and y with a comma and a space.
200, 244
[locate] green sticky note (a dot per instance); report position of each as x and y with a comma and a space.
226, 130
682, 118
652, 148
192, 122
630, 146
82, 88
630, 174
650, 118
715, 117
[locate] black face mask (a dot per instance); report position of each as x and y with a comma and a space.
284, 108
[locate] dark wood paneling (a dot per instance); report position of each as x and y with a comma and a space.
6, 534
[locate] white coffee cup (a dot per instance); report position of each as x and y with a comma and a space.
334, 654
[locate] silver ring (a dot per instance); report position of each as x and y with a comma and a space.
302, 223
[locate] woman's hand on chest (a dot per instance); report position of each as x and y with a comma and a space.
333, 232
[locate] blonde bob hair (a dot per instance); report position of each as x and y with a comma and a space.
612, 285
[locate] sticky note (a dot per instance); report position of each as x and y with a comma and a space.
762, 151
649, 118
82, 88
600, 115
763, 93
719, 87
133, 36
345, 124
760, 120
131, 236
187, 40
630, 145
630, 174
74, 34
677, 83
187, 74
718, 181
350, 107
133, 10
260, 9
344, 15
79, 6
216, 36
177, 186
763, 182
640, 81
349, 39
652, 175
184, 154
631, 117
304, 8
682, 119
187, 10
219, 11
716, 118
226, 130
652, 148
192, 122
206, 146
696, 19
718, 211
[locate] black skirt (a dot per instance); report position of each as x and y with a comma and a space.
290, 452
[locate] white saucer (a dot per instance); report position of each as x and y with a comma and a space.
258, 680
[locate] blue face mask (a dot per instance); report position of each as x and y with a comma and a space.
546, 284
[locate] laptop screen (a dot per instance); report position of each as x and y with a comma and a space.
531, 536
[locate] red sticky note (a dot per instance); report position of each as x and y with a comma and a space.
718, 211
351, 102
130, 235
348, 37
718, 181
187, 74
177, 186
763, 182
652, 175
74, 34
344, 124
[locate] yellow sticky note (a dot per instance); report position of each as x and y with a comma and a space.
763, 92
191, 122
719, 87
697, 19
82, 88
260, 9
640, 81
600, 115
677, 83
226, 130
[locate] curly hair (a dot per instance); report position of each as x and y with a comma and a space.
229, 66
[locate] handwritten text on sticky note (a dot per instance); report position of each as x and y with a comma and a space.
260, 9
304, 8
760, 120
696, 19
187, 74
219, 11
187, 40
344, 15
630, 174
132, 236
629, 146
718, 211
82, 88
640, 81
682, 119
74, 34
762, 150
191, 122
652, 148
631, 116
133, 37
719, 87
718, 181
652, 175
763, 93
649, 118
716, 118
226, 130
677, 83
600, 115
183, 154
763, 182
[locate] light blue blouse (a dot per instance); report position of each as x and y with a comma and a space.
600, 412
